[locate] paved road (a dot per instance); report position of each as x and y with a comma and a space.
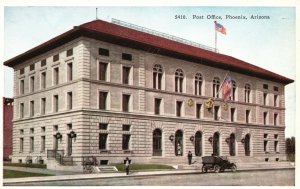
245, 178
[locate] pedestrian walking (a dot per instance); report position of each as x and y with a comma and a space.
127, 162
190, 156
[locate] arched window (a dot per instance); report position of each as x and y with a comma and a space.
157, 76
233, 91
216, 144
232, 144
216, 87
247, 93
157, 145
198, 84
247, 145
179, 80
198, 143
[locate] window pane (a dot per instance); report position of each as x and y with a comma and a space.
126, 56
126, 103
125, 143
126, 71
102, 100
103, 52
102, 71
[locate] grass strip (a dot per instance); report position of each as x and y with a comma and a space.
33, 165
20, 174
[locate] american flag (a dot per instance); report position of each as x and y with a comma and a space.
220, 28
227, 88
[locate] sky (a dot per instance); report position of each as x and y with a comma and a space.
267, 43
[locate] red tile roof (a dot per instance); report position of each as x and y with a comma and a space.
120, 35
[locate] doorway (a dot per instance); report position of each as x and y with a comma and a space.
178, 143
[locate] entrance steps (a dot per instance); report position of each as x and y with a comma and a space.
107, 169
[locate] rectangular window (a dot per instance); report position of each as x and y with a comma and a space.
157, 103
178, 108
126, 127
275, 119
265, 98
55, 57
265, 145
43, 63
125, 102
126, 56
43, 129
198, 111
276, 136
43, 142
102, 71
103, 126
103, 52
126, 72
31, 67
69, 126
21, 144
102, 141
102, 100
69, 52
43, 106
31, 144
125, 141
69, 72
55, 128
276, 100
22, 71
265, 86
22, 86
31, 130
216, 112
55, 103
31, 108
265, 118
32, 84
69, 100
21, 131
56, 76
265, 136
43, 80
276, 146
232, 114
247, 116
275, 88
21, 110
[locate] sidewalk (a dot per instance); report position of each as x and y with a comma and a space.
63, 175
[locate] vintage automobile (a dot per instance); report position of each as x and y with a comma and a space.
216, 164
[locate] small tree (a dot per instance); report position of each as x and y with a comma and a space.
290, 148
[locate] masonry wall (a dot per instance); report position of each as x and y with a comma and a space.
85, 115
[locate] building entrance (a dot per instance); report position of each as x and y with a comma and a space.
178, 143
157, 148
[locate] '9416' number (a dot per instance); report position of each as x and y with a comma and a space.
180, 17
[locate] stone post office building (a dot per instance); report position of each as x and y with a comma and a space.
111, 90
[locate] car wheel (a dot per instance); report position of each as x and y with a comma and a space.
233, 168
204, 169
217, 168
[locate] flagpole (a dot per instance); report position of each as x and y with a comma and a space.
215, 39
